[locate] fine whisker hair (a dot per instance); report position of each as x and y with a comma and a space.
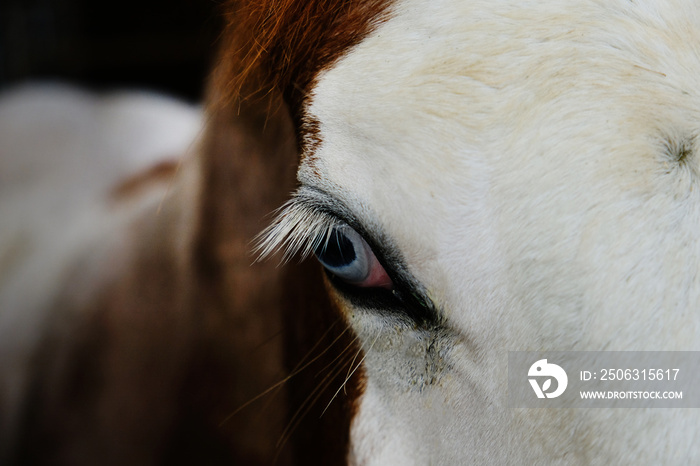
311, 400
351, 371
303, 364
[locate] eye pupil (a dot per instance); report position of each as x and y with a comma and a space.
347, 257
338, 251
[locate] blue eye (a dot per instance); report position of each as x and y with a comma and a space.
344, 255
347, 255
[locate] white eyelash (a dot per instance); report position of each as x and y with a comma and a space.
299, 228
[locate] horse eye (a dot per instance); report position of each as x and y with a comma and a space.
347, 255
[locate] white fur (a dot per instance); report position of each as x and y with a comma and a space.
62, 152
515, 153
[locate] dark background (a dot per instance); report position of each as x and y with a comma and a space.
162, 45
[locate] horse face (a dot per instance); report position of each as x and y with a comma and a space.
483, 177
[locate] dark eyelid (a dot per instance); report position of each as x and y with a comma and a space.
408, 299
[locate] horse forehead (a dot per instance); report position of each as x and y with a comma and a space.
443, 91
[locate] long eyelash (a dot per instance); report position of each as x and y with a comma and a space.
299, 228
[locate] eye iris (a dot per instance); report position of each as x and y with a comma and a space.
338, 251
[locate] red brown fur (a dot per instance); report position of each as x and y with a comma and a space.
280, 46
271, 53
